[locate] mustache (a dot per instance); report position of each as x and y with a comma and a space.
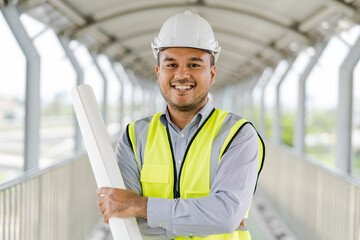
182, 81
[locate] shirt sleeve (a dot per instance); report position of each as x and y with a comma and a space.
230, 195
130, 172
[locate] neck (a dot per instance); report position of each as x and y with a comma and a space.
183, 118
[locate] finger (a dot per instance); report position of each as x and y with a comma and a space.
105, 216
103, 190
102, 209
100, 201
243, 223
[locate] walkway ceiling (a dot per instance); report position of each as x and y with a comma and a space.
254, 34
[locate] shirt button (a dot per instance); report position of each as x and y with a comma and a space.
179, 162
182, 135
190, 234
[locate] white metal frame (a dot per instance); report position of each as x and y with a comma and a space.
344, 112
105, 88
299, 136
64, 41
32, 96
277, 119
266, 81
121, 97
249, 95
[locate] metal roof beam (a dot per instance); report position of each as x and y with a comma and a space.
69, 12
259, 17
259, 44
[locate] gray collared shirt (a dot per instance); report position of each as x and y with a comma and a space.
230, 194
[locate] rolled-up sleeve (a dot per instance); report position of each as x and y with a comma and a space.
229, 199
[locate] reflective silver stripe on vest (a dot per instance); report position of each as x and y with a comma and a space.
219, 140
141, 128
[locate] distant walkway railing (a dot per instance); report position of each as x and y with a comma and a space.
315, 202
56, 203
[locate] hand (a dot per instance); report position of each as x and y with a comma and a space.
114, 202
242, 224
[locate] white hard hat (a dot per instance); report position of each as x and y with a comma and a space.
186, 30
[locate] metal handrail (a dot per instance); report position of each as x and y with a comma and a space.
315, 201
57, 202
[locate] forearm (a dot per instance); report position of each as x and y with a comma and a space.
139, 205
215, 214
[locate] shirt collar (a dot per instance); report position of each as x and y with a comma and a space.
203, 114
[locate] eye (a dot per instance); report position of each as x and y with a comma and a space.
194, 65
171, 65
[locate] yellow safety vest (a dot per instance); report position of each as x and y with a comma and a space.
158, 175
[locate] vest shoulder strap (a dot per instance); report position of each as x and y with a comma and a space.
236, 128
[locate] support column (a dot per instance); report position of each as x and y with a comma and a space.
251, 86
243, 97
105, 89
227, 97
145, 97
147, 100
240, 98
218, 99
79, 80
344, 112
32, 95
158, 95
238, 102
266, 81
299, 140
133, 81
277, 120
121, 97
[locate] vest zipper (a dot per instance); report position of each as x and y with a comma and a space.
175, 191
177, 183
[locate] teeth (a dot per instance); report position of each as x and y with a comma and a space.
183, 87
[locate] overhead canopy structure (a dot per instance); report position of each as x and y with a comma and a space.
253, 34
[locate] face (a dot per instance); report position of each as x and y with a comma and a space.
185, 77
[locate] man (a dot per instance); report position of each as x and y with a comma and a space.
192, 170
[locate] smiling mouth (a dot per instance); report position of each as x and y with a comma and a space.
183, 87
183, 84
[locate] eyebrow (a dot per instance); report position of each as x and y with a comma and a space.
170, 59
196, 59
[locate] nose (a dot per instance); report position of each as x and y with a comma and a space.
182, 72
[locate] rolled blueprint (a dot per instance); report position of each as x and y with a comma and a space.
101, 155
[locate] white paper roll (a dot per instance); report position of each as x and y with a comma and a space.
101, 155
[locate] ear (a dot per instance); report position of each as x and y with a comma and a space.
157, 70
212, 72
